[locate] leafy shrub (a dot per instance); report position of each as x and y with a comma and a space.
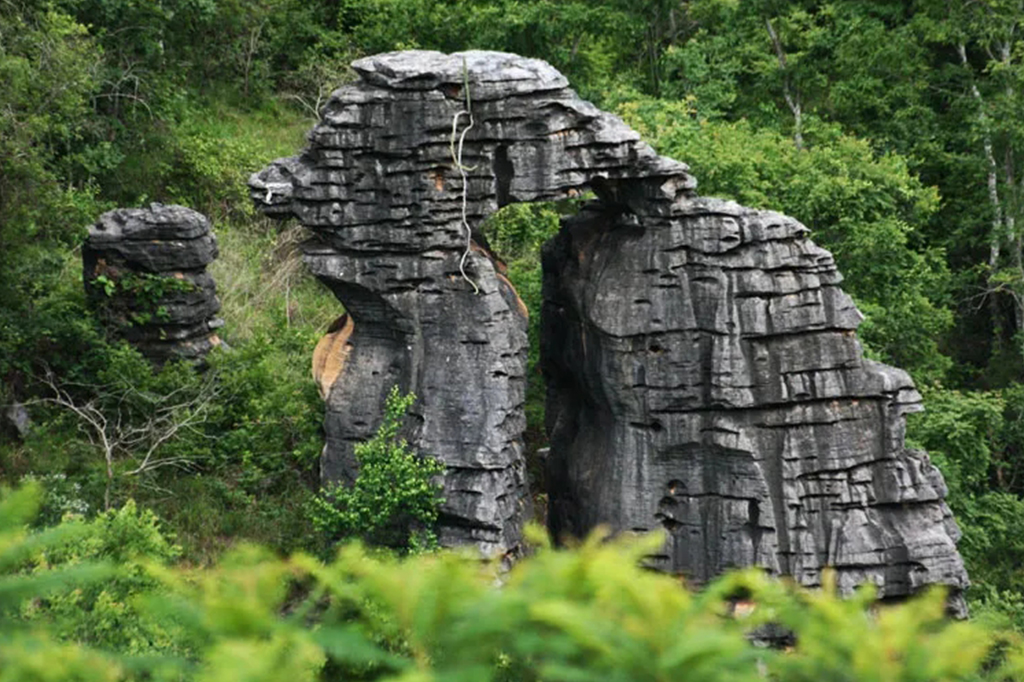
236, 446
105, 614
18, 546
268, 422
394, 500
34, 656
61, 497
589, 613
592, 612
959, 429
44, 319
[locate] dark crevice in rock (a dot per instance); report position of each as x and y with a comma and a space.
503, 170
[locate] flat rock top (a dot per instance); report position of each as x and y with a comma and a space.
158, 222
427, 69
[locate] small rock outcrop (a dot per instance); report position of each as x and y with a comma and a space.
145, 273
703, 371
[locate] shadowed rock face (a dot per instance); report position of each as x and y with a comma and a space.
703, 371
145, 271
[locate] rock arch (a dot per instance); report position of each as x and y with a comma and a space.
703, 369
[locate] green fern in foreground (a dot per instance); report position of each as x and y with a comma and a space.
588, 613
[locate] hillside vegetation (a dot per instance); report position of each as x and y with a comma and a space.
891, 129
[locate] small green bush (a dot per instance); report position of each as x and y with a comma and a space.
106, 615
268, 422
394, 500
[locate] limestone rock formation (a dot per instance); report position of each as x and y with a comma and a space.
145, 271
704, 375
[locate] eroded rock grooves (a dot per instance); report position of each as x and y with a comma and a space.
703, 371
703, 374
145, 271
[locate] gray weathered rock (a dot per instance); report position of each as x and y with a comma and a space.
145, 271
704, 375
379, 188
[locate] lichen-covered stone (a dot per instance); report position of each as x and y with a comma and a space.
145, 271
703, 370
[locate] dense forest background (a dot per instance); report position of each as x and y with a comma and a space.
892, 129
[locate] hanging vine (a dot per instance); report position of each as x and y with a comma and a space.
456, 150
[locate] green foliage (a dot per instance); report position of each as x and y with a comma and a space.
589, 42
48, 68
239, 441
104, 614
517, 231
959, 430
975, 439
394, 499
142, 293
207, 169
18, 545
244, 468
588, 613
594, 613
47, 322
24, 654
269, 419
204, 156
36, 658
933, 82
61, 497
119, 102
850, 640
993, 544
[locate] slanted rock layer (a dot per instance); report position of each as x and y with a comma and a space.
703, 372
145, 271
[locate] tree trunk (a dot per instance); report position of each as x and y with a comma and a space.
992, 181
790, 94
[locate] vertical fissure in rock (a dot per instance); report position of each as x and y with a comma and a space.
503, 173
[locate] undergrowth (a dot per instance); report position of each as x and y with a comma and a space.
248, 470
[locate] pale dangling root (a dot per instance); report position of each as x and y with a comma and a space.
457, 159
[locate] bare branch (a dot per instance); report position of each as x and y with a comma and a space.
136, 424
